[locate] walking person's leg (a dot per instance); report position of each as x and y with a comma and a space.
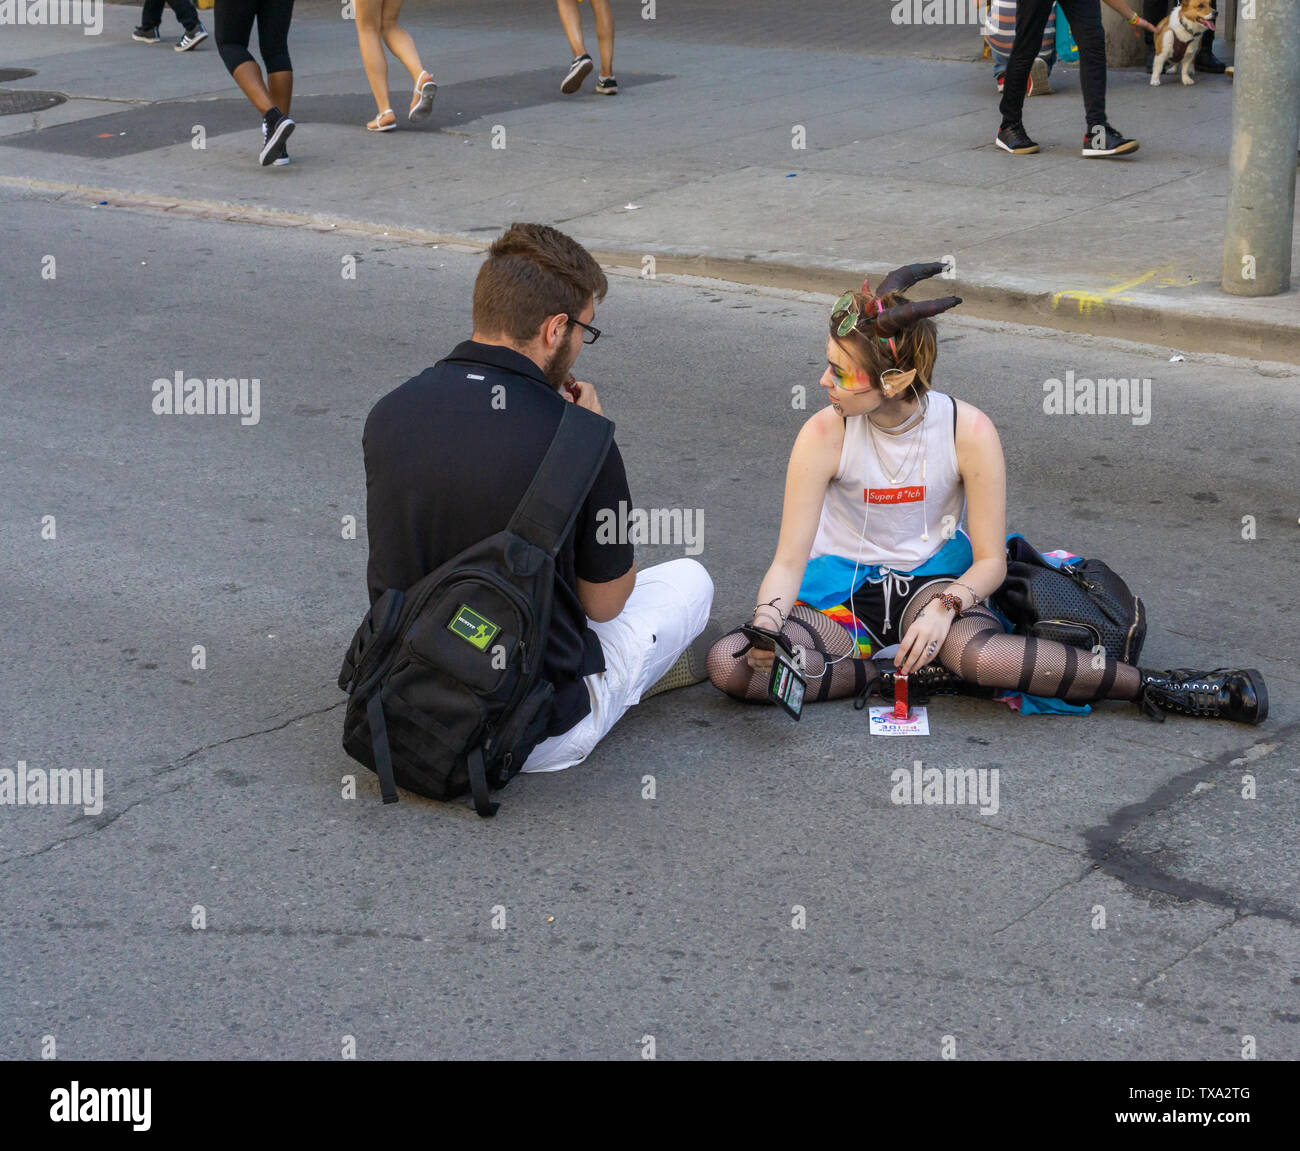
1031, 19
1085, 23
233, 22
186, 13
604, 15
273, 20
150, 18
580, 69
370, 38
401, 45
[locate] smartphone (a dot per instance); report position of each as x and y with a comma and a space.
787, 685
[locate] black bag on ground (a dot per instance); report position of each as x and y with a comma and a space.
444, 680
1082, 604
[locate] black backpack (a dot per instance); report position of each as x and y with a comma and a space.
444, 679
1084, 604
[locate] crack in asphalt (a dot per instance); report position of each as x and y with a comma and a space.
1107, 850
107, 819
1059, 887
1237, 917
189, 755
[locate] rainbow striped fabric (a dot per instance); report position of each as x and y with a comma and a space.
850, 623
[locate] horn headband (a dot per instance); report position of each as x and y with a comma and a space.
886, 322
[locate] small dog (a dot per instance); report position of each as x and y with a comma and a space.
1178, 37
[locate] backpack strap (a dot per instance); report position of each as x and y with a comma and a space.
379, 742
479, 785
551, 504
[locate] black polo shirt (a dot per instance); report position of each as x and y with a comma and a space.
449, 456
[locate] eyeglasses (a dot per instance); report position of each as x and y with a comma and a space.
590, 334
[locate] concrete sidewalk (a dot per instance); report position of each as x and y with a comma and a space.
697, 162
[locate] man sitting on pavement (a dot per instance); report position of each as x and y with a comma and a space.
450, 453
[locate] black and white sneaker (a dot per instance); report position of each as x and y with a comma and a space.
1102, 140
284, 159
578, 71
1014, 139
607, 86
192, 38
146, 35
277, 132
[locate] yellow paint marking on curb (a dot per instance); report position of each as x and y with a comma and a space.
1087, 301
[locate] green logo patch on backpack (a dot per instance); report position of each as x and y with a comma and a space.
472, 627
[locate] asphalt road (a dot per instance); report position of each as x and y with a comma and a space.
625, 917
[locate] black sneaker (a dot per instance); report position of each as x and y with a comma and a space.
284, 157
1014, 139
1103, 140
146, 35
191, 38
278, 130
607, 86
578, 71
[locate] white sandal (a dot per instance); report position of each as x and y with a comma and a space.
378, 125
422, 100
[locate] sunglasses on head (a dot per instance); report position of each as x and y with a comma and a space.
847, 316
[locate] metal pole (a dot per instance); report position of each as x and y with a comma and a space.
1265, 136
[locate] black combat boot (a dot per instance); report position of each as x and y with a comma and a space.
1219, 694
932, 680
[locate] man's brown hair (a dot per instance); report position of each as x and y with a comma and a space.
533, 271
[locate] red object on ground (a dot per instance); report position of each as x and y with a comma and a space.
901, 710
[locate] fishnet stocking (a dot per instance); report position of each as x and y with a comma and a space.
978, 650
824, 644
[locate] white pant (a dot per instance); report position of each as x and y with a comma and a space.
667, 609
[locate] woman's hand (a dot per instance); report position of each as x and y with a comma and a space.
758, 658
924, 638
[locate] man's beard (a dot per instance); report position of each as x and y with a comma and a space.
558, 367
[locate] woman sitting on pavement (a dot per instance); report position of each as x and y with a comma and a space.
870, 556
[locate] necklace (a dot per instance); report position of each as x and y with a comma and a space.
913, 450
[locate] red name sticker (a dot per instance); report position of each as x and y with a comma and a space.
914, 495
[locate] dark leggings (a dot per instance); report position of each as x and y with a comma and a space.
1085, 23
977, 649
234, 26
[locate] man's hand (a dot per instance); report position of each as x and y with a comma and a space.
586, 396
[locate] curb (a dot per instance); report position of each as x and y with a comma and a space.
1117, 313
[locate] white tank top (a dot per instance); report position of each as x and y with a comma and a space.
904, 486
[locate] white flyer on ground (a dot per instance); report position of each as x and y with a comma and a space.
884, 723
